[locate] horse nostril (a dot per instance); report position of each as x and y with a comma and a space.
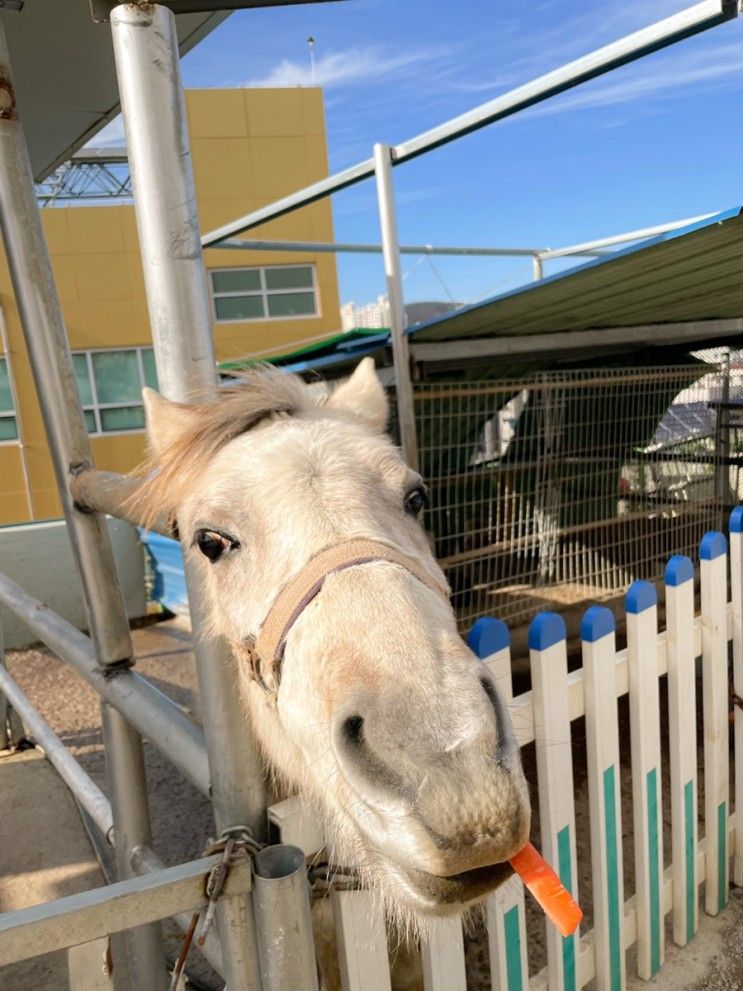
353, 729
506, 741
490, 691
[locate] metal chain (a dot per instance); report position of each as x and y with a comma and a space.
234, 843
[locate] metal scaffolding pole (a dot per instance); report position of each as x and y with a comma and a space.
124, 762
393, 274
152, 103
46, 340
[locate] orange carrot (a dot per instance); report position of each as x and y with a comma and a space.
555, 900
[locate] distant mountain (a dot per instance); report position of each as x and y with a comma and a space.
421, 312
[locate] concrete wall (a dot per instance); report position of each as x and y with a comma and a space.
38, 557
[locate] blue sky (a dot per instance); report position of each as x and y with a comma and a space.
651, 142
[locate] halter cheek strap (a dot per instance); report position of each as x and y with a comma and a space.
265, 653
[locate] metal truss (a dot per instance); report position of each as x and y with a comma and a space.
91, 174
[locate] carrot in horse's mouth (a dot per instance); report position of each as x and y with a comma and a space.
553, 897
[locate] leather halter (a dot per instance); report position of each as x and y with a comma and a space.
265, 653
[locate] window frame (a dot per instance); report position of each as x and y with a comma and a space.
11, 414
96, 405
264, 293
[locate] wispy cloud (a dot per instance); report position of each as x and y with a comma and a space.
674, 77
645, 85
344, 68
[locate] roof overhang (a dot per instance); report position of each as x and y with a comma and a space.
63, 66
679, 288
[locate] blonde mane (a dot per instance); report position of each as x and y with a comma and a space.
168, 475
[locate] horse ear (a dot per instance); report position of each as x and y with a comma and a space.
363, 396
166, 420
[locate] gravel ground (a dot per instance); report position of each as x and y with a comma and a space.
182, 818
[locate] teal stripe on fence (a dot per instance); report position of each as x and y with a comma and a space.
514, 976
653, 870
691, 883
722, 856
612, 879
564, 869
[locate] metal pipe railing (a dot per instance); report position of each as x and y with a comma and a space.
146, 861
11, 727
153, 108
111, 493
393, 276
86, 791
66, 431
89, 915
634, 46
281, 894
153, 714
596, 245
343, 247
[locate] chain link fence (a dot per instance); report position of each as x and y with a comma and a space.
565, 486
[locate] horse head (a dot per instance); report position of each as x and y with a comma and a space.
366, 700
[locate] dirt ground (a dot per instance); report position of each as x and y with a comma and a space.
182, 818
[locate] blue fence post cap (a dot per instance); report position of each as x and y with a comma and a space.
641, 595
712, 545
546, 629
679, 570
736, 520
487, 636
597, 622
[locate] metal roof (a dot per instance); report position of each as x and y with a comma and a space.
333, 354
63, 69
685, 276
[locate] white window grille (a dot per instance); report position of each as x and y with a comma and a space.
278, 292
110, 383
8, 421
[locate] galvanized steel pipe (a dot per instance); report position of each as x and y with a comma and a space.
393, 275
146, 861
46, 339
143, 705
85, 790
281, 895
153, 107
66, 431
109, 492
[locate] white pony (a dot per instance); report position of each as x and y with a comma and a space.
357, 685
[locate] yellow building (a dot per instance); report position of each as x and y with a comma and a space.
249, 147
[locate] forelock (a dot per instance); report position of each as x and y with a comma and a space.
169, 476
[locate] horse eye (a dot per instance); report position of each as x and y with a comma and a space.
416, 501
213, 545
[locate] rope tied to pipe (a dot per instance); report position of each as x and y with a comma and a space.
236, 843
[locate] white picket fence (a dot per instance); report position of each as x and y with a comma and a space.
544, 715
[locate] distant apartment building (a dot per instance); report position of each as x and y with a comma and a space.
249, 147
367, 315
377, 314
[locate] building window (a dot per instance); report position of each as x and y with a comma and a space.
281, 292
8, 422
110, 383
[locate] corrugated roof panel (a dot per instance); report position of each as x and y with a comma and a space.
688, 275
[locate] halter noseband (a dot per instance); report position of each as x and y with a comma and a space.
266, 652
